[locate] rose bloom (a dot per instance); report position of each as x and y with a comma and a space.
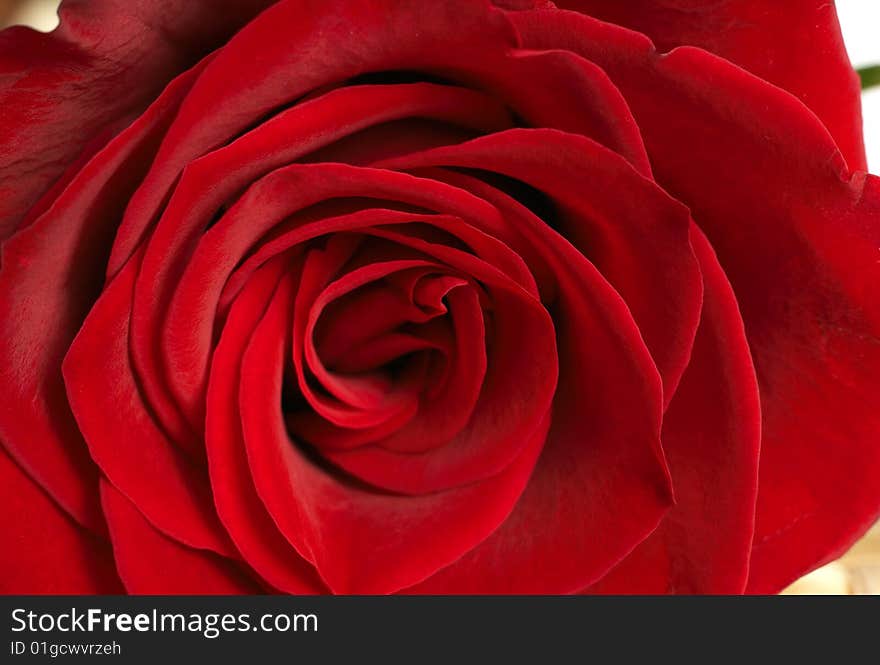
434, 297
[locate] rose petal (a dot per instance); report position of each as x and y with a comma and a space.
359, 540
238, 505
44, 551
51, 273
794, 44
601, 484
194, 306
104, 63
797, 235
711, 436
171, 380
570, 526
516, 392
383, 402
221, 248
123, 438
149, 561
638, 241
296, 46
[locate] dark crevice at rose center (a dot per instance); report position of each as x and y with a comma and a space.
371, 337
533, 199
398, 76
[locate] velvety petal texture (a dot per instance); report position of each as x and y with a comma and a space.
60, 256
147, 560
711, 435
433, 297
44, 551
799, 253
793, 44
64, 94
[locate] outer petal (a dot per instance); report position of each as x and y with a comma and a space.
639, 242
43, 550
51, 273
798, 237
150, 563
711, 436
296, 44
215, 178
795, 44
103, 64
124, 440
601, 484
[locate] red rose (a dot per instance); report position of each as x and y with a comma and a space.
435, 297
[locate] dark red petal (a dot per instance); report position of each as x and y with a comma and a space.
296, 45
461, 460
360, 541
262, 207
43, 550
601, 484
51, 273
516, 393
639, 241
453, 325
387, 402
711, 436
215, 179
151, 563
123, 439
221, 248
449, 403
105, 62
238, 505
794, 44
798, 237
356, 400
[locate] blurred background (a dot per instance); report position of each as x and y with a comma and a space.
858, 571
